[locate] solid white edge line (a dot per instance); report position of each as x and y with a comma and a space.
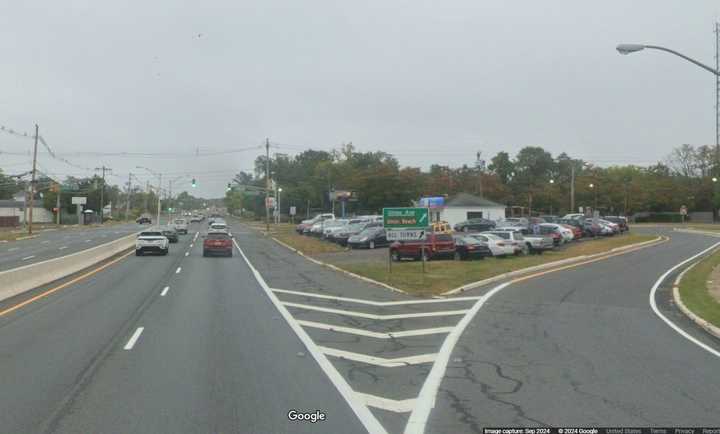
133, 339
375, 303
366, 417
374, 316
397, 362
672, 325
164, 291
426, 399
376, 335
397, 406
28, 257
179, 269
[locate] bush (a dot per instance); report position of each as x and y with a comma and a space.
661, 217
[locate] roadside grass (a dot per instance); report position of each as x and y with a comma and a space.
694, 292
285, 232
444, 275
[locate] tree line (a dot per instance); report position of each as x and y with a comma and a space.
533, 179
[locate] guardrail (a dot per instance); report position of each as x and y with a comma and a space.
27, 277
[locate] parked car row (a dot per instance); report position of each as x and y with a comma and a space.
471, 239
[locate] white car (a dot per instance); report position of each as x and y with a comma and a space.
333, 226
151, 240
498, 246
567, 234
515, 239
219, 227
181, 226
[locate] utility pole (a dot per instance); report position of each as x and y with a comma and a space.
102, 191
159, 192
717, 99
267, 185
572, 186
32, 182
480, 166
147, 195
127, 199
57, 203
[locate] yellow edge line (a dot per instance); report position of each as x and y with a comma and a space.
577, 264
63, 285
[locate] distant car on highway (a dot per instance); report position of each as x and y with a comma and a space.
219, 227
217, 243
181, 225
144, 219
151, 241
170, 233
195, 218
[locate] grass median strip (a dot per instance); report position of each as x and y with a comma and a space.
309, 245
694, 290
443, 275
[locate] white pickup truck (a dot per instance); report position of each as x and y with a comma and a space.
151, 240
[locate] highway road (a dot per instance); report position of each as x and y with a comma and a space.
183, 343
53, 243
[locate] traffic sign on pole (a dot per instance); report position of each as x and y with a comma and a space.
395, 218
405, 234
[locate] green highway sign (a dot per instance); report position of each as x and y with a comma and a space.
405, 218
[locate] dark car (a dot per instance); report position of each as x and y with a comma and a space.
620, 221
470, 248
217, 243
344, 235
143, 219
171, 234
435, 245
474, 225
371, 237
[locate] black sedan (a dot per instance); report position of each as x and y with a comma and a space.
171, 234
475, 225
371, 237
470, 248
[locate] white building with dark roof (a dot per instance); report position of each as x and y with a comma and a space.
463, 206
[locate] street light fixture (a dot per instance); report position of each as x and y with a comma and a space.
633, 48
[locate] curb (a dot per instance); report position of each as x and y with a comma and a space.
548, 265
713, 330
333, 267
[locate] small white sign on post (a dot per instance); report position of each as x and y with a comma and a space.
405, 234
293, 210
79, 200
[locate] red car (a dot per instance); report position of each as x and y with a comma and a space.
577, 232
433, 246
217, 243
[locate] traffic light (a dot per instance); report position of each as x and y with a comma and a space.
194, 184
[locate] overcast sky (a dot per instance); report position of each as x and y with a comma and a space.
429, 81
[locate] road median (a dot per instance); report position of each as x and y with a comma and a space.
692, 293
22, 279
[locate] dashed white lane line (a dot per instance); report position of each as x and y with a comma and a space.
376, 335
397, 406
12, 249
374, 316
179, 269
164, 291
62, 248
379, 361
187, 253
28, 257
133, 339
191, 245
44, 242
87, 241
375, 303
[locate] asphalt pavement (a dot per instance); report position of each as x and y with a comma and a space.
53, 243
182, 343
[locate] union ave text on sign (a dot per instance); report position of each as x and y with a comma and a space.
410, 218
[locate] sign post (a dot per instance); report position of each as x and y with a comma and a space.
683, 213
406, 224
